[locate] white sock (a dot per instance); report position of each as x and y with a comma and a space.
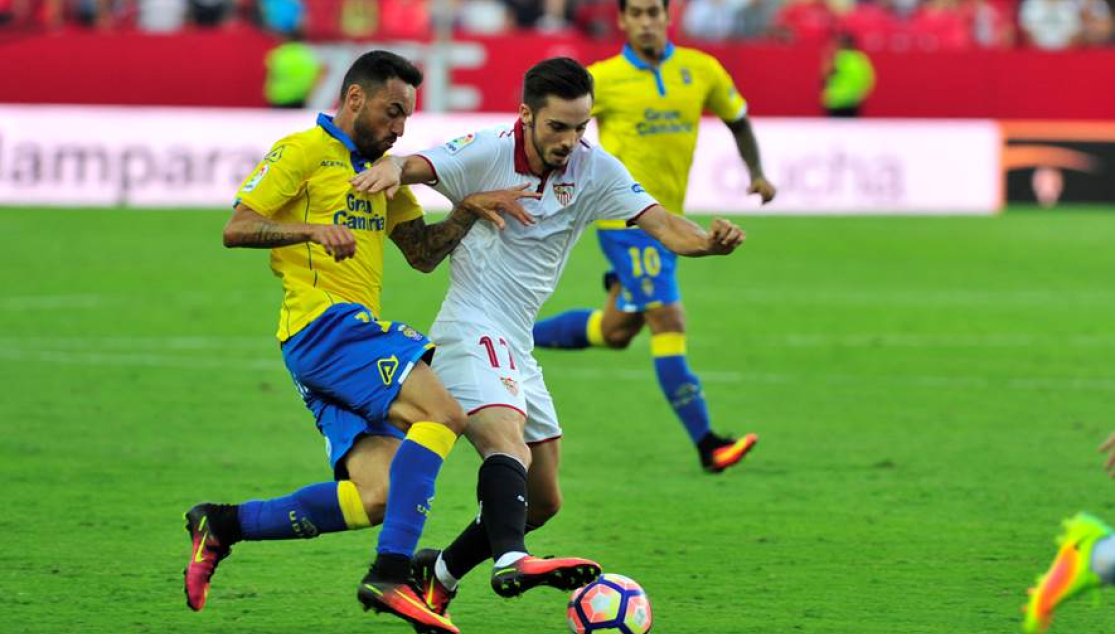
509, 558
1103, 559
441, 571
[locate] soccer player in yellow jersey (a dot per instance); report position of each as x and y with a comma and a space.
388, 422
649, 101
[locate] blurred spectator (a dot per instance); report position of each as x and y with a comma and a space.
713, 20
524, 13
553, 17
758, 16
284, 17
483, 17
210, 13
407, 19
596, 18
293, 71
992, 26
1052, 24
1098, 26
161, 16
805, 21
849, 77
940, 25
359, 18
871, 23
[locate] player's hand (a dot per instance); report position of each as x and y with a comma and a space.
1108, 447
724, 237
491, 205
337, 240
763, 188
385, 175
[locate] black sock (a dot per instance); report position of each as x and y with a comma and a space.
470, 549
502, 491
709, 442
391, 567
225, 522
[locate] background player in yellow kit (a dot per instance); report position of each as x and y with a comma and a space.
384, 415
649, 101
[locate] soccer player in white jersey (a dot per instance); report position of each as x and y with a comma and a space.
500, 276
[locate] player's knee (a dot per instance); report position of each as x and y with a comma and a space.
374, 499
619, 338
541, 511
447, 413
454, 418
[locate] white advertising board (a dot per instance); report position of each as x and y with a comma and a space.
175, 157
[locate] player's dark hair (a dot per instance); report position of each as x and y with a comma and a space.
623, 5
372, 70
560, 77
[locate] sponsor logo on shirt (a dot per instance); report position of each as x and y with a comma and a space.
358, 215
274, 155
333, 164
458, 144
662, 122
255, 180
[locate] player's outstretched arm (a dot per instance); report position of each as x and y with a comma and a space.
248, 228
687, 238
748, 148
390, 173
425, 246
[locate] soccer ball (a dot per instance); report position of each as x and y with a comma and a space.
612, 603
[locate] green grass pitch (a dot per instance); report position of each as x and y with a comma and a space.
929, 393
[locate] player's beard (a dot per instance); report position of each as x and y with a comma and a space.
541, 151
370, 147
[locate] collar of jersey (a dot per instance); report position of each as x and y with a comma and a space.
326, 123
637, 62
522, 163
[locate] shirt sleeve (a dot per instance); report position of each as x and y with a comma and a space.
617, 195
280, 177
723, 100
402, 208
461, 161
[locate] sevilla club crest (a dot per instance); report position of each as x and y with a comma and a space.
564, 192
511, 385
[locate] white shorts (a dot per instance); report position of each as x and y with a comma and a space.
480, 370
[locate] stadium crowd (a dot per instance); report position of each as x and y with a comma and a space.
895, 25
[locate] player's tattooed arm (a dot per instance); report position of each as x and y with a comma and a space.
248, 228
748, 147
425, 246
687, 238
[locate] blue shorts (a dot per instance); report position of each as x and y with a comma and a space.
646, 269
349, 369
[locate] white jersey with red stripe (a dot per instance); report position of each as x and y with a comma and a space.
502, 277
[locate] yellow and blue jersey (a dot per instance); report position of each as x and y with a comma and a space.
305, 179
648, 116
